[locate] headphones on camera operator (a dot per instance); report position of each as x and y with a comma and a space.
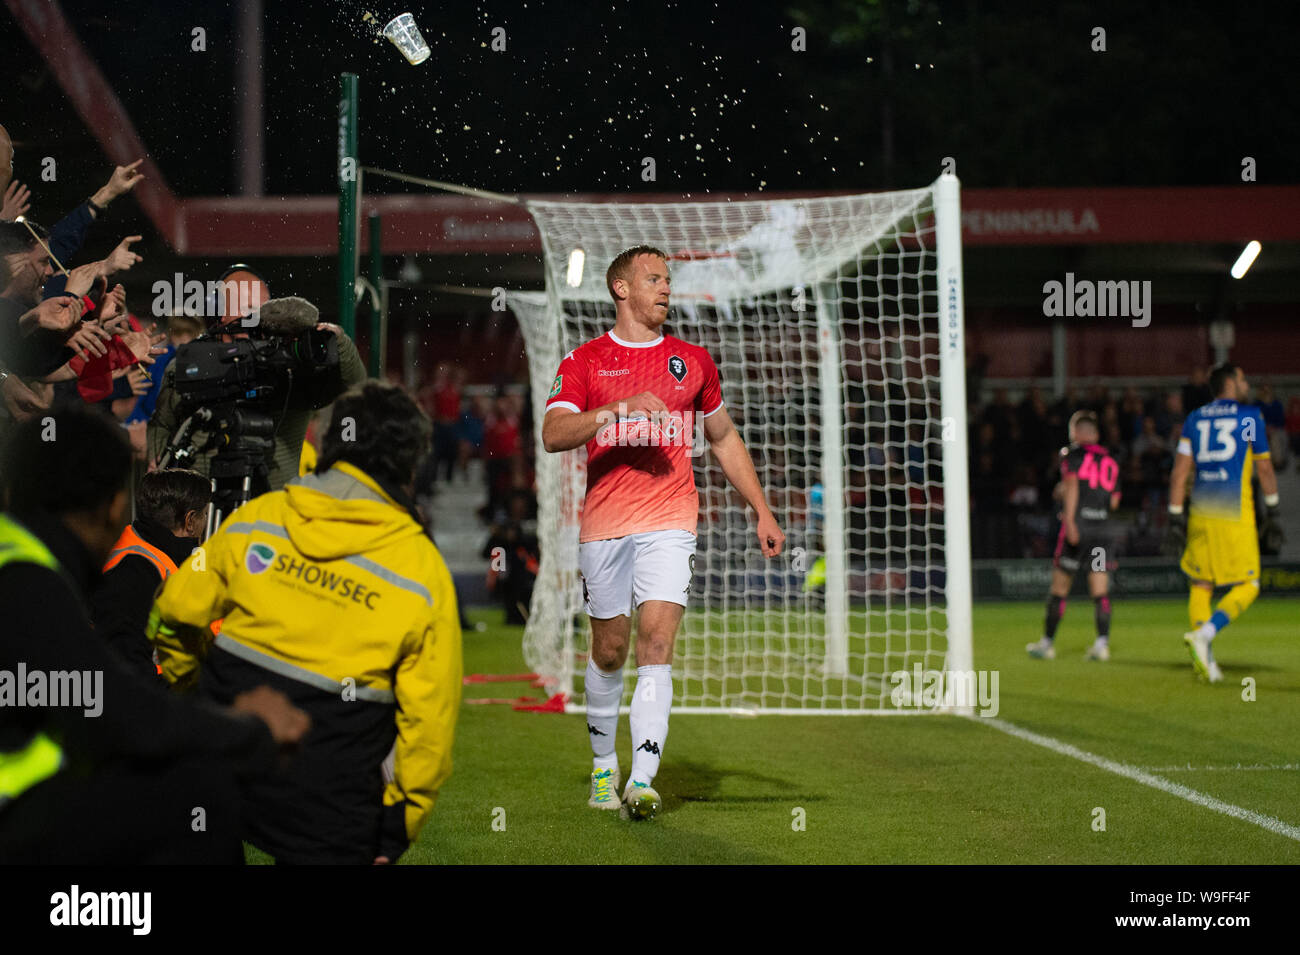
238, 391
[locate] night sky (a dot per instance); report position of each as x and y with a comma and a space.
713, 92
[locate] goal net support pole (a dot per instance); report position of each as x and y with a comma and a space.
836, 542
952, 377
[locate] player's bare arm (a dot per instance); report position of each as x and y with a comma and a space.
564, 430
733, 458
1267, 476
1178, 480
1071, 507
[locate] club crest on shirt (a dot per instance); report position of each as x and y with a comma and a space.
677, 368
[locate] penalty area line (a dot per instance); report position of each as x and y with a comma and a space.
1145, 778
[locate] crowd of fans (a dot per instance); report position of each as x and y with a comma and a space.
67, 335
1014, 463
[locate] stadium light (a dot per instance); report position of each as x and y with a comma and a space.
1246, 259
577, 258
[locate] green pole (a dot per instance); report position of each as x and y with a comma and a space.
348, 174
376, 309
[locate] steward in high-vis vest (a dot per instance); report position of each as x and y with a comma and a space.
97, 767
332, 592
171, 509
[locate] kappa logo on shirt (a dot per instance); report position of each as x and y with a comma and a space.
677, 368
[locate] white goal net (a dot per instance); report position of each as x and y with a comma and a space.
836, 326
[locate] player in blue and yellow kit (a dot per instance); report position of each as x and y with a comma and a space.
1221, 444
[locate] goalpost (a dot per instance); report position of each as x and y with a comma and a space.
836, 323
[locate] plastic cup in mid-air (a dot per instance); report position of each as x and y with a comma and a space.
406, 37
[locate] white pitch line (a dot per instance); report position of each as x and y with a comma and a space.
1189, 768
1146, 779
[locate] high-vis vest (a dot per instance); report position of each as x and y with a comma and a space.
132, 543
40, 758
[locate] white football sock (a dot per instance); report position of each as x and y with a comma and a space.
604, 696
651, 701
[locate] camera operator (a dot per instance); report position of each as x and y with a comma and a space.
244, 292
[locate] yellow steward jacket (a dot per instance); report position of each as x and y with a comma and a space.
331, 583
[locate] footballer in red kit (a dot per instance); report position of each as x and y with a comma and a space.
636, 398
639, 475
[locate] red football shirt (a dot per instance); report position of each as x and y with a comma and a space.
446, 403
501, 437
639, 475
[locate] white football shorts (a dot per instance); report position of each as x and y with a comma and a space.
620, 574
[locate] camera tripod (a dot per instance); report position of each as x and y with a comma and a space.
243, 439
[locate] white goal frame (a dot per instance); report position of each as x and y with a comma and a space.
558, 579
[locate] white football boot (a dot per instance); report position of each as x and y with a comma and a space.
604, 789
1198, 645
1098, 651
1041, 649
641, 800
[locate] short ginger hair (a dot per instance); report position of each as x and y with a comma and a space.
621, 267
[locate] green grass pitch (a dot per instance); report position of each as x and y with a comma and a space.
923, 789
